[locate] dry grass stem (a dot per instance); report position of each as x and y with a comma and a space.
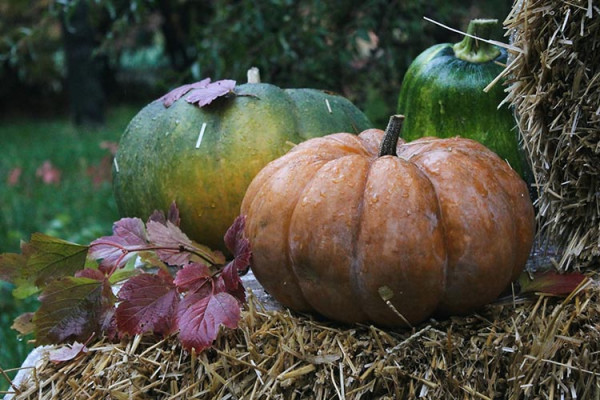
536, 347
554, 86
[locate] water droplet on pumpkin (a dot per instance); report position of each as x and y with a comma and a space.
213, 205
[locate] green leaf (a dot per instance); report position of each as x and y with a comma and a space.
51, 258
13, 269
122, 275
23, 323
71, 309
24, 290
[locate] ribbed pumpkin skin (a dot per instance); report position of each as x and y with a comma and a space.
442, 95
444, 227
158, 161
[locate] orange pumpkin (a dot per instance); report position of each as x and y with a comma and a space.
369, 228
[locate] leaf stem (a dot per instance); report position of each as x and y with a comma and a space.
136, 249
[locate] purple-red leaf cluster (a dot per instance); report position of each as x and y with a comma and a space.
193, 293
200, 93
196, 302
175, 94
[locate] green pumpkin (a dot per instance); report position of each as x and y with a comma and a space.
165, 155
443, 95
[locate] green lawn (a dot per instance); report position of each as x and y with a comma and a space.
55, 179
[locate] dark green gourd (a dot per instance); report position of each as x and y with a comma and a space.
443, 95
204, 158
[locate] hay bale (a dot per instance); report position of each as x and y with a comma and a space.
554, 85
536, 347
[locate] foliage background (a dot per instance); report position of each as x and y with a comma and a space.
360, 48
141, 49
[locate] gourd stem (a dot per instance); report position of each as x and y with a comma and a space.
253, 75
473, 50
390, 138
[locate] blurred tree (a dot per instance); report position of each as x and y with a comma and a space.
30, 56
360, 49
84, 68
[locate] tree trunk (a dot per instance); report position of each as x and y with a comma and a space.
175, 29
84, 70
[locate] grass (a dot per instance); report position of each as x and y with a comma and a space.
74, 203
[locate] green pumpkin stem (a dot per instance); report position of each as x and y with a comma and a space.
390, 138
474, 50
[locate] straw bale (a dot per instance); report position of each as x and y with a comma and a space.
554, 86
529, 348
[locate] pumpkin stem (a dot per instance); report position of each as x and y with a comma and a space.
474, 50
390, 138
253, 75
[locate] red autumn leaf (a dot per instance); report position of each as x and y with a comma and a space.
205, 95
229, 281
14, 176
175, 94
550, 282
193, 277
173, 245
173, 216
131, 230
101, 172
67, 352
48, 173
114, 251
148, 304
111, 146
157, 216
238, 244
108, 324
91, 274
199, 318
